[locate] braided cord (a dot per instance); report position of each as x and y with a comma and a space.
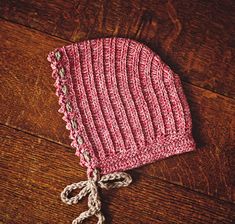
119, 179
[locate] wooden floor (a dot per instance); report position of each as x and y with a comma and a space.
196, 39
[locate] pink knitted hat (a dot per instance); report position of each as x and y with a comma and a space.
124, 108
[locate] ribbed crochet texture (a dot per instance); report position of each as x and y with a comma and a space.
122, 104
124, 108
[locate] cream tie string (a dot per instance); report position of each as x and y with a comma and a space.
119, 179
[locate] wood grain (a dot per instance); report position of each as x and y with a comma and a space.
194, 37
30, 105
33, 171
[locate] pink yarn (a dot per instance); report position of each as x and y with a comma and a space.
122, 104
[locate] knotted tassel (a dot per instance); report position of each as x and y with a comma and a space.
119, 179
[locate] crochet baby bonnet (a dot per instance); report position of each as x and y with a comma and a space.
124, 108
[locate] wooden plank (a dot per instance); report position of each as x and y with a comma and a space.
194, 38
30, 104
28, 90
34, 171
